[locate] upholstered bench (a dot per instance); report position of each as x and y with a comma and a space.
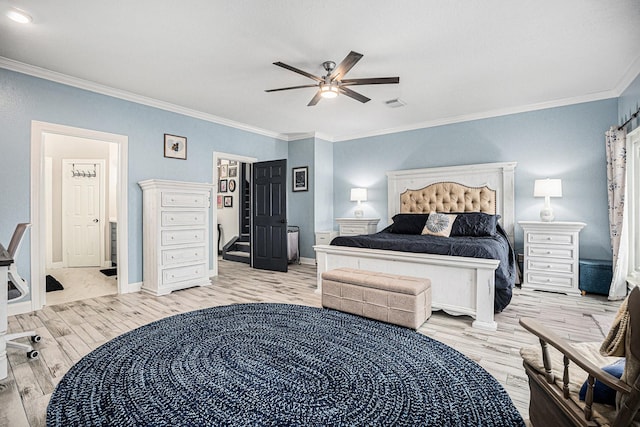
401, 300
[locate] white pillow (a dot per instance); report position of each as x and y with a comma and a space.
439, 224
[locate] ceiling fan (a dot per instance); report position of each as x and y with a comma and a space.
333, 83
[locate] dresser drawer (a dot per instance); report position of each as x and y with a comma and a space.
550, 265
184, 200
352, 230
181, 274
550, 252
180, 237
183, 218
549, 238
557, 281
176, 256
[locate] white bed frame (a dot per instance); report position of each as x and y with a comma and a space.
459, 285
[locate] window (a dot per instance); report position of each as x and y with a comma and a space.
633, 205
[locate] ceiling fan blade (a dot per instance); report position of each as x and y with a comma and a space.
370, 81
353, 94
316, 98
347, 63
292, 87
297, 70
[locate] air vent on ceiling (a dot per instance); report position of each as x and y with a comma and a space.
395, 103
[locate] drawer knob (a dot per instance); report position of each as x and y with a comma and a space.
196, 254
171, 218
549, 252
549, 238
549, 265
548, 280
172, 237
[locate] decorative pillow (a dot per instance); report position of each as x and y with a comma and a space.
408, 223
601, 392
439, 224
475, 224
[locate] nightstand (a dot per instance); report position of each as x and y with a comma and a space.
551, 256
357, 226
325, 237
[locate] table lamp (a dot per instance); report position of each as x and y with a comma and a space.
547, 188
359, 195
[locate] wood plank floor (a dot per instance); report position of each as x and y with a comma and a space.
73, 329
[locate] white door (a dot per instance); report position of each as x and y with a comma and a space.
82, 212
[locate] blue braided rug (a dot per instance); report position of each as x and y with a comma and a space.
277, 364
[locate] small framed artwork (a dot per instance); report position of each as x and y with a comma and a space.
228, 201
233, 171
233, 162
300, 180
175, 147
219, 201
222, 186
223, 170
232, 185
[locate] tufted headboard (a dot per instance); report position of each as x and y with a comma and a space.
448, 197
486, 187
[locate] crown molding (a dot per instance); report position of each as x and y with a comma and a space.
629, 76
598, 96
64, 79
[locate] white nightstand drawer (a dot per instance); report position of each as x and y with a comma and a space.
184, 200
558, 281
183, 218
550, 265
352, 230
550, 252
176, 256
556, 239
180, 274
325, 237
180, 237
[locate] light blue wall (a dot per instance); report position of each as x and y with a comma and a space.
300, 203
565, 142
628, 104
24, 98
323, 197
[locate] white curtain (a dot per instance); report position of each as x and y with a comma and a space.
618, 226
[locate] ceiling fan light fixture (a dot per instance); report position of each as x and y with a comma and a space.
19, 16
329, 91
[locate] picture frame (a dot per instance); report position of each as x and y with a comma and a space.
233, 171
233, 162
219, 201
222, 186
223, 170
232, 185
175, 147
300, 178
228, 201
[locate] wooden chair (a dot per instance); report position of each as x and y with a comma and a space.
20, 291
555, 377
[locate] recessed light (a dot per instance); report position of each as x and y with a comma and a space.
19, 16
395, 103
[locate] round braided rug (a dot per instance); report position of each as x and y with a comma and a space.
277, 364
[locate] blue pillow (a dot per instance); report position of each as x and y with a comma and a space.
601, 392
474, 224
408, 223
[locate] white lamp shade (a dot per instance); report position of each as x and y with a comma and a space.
547, 188
358, 194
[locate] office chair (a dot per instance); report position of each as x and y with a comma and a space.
20, 291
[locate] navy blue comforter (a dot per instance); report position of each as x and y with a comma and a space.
490, 247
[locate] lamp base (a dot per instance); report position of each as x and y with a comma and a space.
546, 214
359, 213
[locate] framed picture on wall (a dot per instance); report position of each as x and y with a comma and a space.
300, 178
222, 186
175, 147
223, 170
228, 201
233, 171
232, 185
219, 201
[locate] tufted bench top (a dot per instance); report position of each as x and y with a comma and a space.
383, 281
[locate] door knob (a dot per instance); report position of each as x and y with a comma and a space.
95, 220
284, 221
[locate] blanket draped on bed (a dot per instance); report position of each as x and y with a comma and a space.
488, 247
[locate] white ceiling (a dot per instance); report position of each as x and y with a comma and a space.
456, 59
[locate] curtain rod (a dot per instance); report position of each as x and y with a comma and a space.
633, 116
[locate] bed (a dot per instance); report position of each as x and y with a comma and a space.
461, 285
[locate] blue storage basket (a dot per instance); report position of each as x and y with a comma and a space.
595, 276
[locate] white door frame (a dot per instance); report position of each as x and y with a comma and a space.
214, 216
38, 206
66, 241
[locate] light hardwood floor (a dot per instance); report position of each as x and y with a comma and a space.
73, 329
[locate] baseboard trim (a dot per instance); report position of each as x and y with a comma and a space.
22, 307
132, 287
307, 261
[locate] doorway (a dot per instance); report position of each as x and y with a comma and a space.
42, 196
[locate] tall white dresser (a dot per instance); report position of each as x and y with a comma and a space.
175, 235
551, 256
